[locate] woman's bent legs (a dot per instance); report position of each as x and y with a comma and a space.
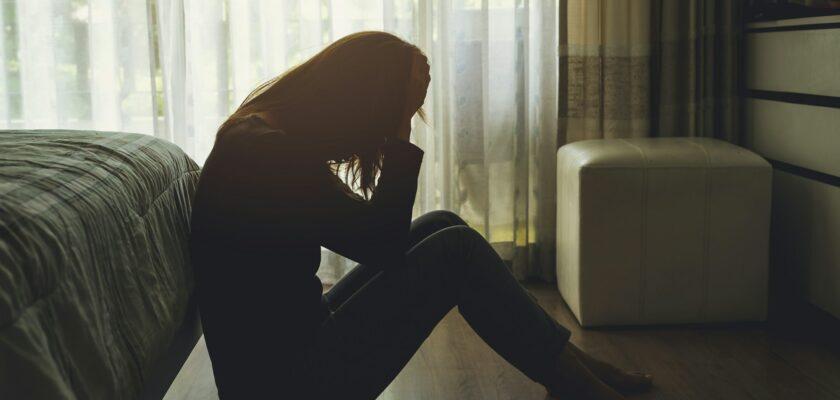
421, 228
371, 336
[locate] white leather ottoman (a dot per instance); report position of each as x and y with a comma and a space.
662, 231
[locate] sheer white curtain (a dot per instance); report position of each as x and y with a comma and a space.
176, 68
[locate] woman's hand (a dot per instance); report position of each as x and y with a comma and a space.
418, 84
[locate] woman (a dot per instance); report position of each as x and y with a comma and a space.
270, 196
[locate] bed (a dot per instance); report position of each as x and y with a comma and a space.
95, 281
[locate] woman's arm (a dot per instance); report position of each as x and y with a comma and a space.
373, 232
299, 201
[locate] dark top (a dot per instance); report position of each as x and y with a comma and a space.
265, 204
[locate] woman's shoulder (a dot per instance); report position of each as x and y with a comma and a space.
253, 134
250, 124
251, 138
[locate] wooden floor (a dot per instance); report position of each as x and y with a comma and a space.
724, 362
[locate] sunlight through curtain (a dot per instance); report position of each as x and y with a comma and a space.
176, 68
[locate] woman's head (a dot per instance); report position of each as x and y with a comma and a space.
349, 98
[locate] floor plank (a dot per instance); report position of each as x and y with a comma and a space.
695, 362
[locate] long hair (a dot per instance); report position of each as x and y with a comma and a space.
353, 92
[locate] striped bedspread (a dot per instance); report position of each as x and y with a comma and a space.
94, 268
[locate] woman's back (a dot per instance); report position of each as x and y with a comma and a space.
254, 259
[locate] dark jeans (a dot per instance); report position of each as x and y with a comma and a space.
380, 318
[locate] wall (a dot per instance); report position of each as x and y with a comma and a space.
792, 118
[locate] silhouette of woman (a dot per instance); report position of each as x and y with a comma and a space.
270, 196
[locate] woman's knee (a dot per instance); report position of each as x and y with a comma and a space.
448, 252
429, 223
443, 217
460, 241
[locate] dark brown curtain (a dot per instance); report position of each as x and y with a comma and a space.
696, 68
649, 68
